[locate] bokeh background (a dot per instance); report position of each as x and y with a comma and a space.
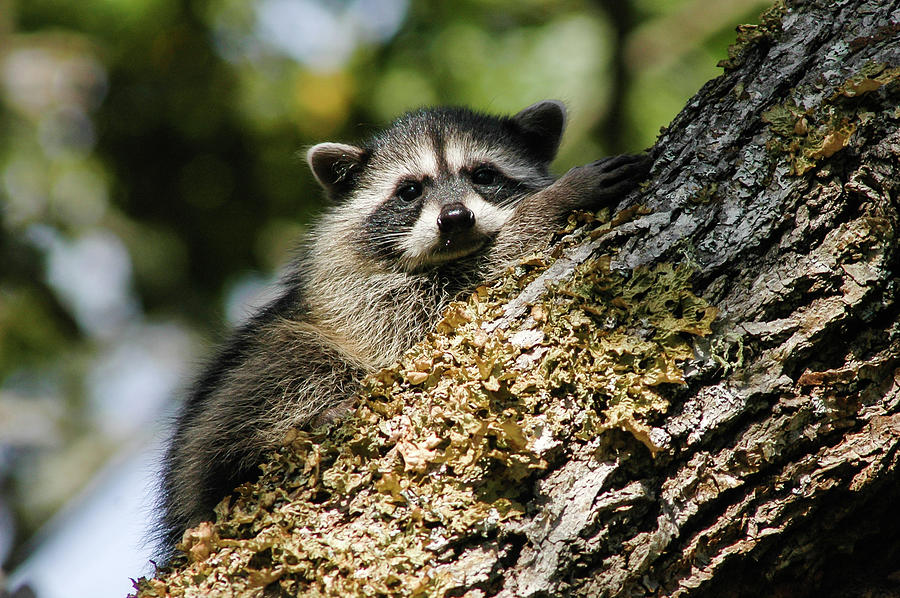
152, 183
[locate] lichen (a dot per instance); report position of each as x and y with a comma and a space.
809, 136
749, 35
444, 444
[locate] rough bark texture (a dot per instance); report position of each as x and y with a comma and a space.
781, 473
772, 469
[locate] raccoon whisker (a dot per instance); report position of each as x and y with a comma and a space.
383, 243
390, 236
510, 201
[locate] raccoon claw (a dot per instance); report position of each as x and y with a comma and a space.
624, 166
604, 181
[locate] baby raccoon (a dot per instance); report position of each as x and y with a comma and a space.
441, 201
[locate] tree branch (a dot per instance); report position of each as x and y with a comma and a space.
585, 427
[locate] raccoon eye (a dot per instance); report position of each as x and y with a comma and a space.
485, 175
409, 190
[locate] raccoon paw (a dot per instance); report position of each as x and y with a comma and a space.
332, 414
605, 181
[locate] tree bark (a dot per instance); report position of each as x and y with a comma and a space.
574, 440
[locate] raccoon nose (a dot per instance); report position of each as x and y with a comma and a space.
455, 217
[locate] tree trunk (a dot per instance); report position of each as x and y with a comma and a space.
699, 396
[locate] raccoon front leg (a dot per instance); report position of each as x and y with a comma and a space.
287, 375
591, 186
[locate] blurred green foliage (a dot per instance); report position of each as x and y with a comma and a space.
175, 128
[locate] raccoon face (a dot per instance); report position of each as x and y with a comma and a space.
439, 183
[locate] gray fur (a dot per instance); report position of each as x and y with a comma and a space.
375, 275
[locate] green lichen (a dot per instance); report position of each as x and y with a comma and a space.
871, 77
706, 195
443, 445
749, 35
808, 136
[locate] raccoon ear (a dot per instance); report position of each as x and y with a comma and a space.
542, 125
335, 165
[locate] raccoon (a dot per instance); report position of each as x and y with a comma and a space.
441, 201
